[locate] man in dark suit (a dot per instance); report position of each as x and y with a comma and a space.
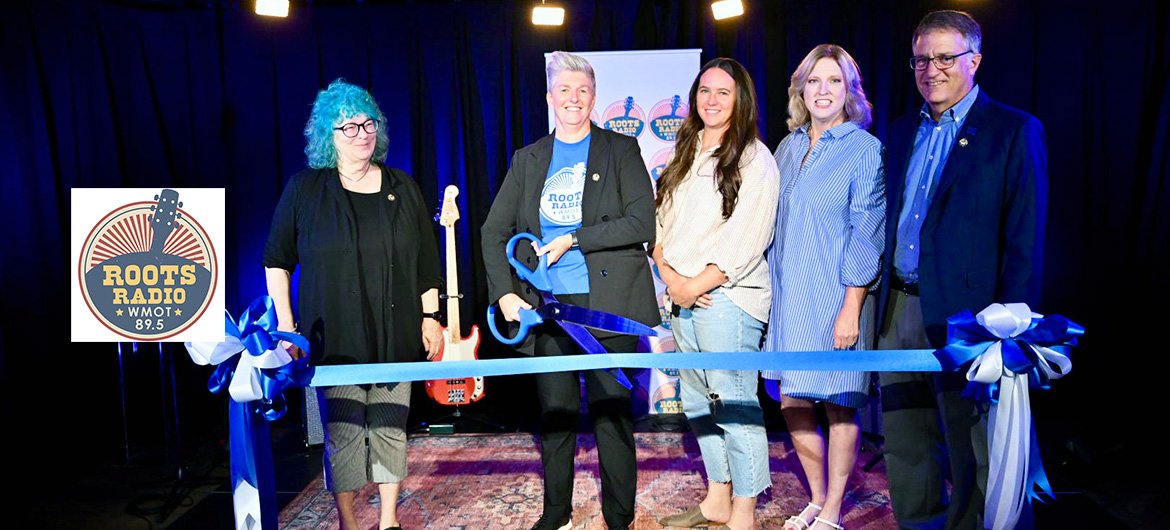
967, 189
586, 193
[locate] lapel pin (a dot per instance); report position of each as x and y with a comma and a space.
596, 177
391, 197
963, 142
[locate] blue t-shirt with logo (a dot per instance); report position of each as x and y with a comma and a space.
560, 213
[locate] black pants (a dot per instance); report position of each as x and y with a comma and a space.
929, 430
609, 405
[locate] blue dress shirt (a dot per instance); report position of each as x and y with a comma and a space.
932, 147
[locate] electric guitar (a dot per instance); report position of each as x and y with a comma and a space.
455, 347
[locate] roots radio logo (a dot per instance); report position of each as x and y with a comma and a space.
625, 117
666, 117
658, 162
148, 270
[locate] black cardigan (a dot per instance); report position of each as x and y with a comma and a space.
313, 227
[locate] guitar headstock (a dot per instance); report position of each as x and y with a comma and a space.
162, 221
450, 211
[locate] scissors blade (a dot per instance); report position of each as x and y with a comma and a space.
595, 319
590, 344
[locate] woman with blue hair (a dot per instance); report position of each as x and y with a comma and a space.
369, 287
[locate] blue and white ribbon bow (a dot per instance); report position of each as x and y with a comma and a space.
256, 369
1010, 349
250, 361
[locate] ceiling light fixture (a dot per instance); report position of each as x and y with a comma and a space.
272, 8
548, 15
726, 9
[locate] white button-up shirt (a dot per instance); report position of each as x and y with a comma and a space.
694, 234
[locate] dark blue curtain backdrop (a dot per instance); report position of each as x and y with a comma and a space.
158, 94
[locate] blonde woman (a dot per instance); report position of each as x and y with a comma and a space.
830, 230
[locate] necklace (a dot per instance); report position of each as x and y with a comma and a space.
355, 181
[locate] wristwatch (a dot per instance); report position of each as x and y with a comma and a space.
575, 244
436, 316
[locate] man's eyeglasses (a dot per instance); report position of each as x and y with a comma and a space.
350, 130
942, 62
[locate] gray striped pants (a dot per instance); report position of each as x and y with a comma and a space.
348, 413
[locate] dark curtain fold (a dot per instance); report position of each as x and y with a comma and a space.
96, 94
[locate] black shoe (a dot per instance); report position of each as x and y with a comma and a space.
549, 523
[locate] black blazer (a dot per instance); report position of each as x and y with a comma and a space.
617, 219
983, 238
314, 227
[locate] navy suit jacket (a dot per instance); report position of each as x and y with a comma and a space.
983, 237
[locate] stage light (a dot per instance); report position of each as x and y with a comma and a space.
272, 8
726, 9
548, 15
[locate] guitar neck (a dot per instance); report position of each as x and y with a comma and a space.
452, 288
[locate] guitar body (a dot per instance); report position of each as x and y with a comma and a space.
463, 390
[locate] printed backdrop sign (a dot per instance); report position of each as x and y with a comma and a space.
643, 94
148, 265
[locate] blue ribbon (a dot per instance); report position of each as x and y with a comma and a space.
869, 360
255, 334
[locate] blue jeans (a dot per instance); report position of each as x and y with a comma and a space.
722, 405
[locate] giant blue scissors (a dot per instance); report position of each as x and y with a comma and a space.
572, 319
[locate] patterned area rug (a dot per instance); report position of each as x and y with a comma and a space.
493, 482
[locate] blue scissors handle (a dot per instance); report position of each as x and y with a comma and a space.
528, 318
538, 277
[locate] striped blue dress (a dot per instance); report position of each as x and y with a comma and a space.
830, 233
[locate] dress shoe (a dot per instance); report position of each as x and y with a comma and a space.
551, 523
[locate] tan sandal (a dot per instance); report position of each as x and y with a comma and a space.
687, 519
800, 521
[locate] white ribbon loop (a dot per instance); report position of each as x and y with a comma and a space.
213, 353
1006, 320
987, 368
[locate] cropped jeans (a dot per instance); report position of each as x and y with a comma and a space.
722, 405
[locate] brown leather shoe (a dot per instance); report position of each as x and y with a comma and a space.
687, 519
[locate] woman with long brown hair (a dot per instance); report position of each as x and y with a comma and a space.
716, 217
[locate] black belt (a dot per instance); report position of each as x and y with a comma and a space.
898, 284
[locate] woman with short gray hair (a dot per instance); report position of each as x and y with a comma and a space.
585, 192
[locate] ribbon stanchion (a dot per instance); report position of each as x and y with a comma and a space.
1010, 349
251, 363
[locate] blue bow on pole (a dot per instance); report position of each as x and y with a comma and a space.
1009, 349
251, 363
256, 369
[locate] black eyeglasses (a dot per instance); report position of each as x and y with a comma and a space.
350, 130
942, 62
